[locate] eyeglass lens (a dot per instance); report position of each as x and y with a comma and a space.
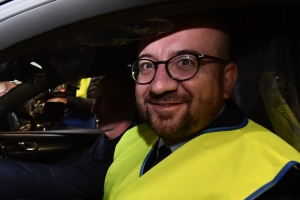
180, 67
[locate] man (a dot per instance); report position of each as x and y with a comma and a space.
114, 105
212, 151
113, 109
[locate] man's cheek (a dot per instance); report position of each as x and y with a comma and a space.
141, 92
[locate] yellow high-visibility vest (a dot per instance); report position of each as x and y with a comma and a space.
231, 164
82, 91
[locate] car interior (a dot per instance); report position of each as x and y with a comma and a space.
266, 48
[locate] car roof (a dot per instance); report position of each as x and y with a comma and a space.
28, 25
24, 19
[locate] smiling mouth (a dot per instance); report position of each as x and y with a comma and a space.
165, 104
162, 107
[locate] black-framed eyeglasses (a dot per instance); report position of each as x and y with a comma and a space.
180, 67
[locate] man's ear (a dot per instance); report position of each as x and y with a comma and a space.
230, 74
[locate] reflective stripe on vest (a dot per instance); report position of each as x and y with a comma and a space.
232, 164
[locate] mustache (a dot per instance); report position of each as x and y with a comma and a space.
169, 97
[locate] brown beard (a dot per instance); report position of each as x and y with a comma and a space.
192, 121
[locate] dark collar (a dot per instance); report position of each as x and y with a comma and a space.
231, 116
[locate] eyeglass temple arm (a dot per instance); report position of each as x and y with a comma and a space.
214, 58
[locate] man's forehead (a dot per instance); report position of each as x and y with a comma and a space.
203, 40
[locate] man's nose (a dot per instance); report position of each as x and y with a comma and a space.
162, 82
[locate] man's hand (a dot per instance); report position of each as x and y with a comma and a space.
58, 99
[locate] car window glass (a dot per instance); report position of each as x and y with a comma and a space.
61, 108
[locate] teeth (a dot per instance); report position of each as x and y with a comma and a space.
166, 105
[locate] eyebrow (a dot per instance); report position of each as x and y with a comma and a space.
186, 51
146, 55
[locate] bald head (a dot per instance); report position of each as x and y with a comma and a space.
217, 43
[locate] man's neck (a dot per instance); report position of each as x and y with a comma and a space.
118, 130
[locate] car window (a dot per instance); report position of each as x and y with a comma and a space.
59, 108
93, 47
64, 107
